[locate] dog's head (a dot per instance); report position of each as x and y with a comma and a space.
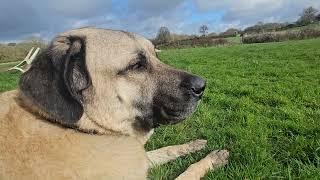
105, 80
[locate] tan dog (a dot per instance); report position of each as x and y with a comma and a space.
88, 104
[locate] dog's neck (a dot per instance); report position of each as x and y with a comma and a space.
85, 124
88, 125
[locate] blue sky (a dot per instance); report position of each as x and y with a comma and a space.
20, 19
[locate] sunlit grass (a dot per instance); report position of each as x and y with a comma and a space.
262, 103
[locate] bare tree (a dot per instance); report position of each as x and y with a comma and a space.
308, 16
163, 35
203, 30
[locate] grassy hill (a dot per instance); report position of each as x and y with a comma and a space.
17, 52
262, 103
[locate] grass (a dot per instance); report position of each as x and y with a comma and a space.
7, 65
234, 40
8, 80
262, 103
18, 52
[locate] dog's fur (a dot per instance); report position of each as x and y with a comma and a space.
87, 105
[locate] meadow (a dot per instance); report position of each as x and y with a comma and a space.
19, 51
262, 103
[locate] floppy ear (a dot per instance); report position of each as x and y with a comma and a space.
56, 79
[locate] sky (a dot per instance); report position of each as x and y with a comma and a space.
21, 19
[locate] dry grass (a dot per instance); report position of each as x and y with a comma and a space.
18, 52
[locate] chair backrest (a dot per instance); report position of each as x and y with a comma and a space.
25, 63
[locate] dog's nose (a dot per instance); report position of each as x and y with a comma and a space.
197, 86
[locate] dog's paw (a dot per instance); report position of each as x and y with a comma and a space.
197, 144
219, 157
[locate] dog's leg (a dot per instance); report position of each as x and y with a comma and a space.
166, 154
212, 161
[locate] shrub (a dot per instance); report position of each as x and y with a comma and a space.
304, 33
195, 42
309, 33
219, 41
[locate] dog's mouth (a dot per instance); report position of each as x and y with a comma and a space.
164, 115
174, 101
170, 117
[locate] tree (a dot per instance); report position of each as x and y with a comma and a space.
163, 35
230, 32
318, 17
308, 16
203, 30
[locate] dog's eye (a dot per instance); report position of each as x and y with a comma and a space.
140, 64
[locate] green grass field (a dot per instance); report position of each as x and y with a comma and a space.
8, 80
262, 103
234, 40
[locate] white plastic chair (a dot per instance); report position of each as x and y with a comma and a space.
27, 60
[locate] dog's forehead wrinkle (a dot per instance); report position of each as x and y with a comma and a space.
141, 51
108, 34
124, 55
112, 40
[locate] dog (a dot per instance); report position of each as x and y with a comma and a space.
88, 104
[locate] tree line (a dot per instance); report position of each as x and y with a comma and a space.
308, 16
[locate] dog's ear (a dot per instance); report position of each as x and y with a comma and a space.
56, 79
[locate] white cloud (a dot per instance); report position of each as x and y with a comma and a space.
251, 11
153, 8
73, 8
22, 18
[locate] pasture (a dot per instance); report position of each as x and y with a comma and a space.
262, 103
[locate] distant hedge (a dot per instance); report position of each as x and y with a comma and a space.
305, 33
194, 42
